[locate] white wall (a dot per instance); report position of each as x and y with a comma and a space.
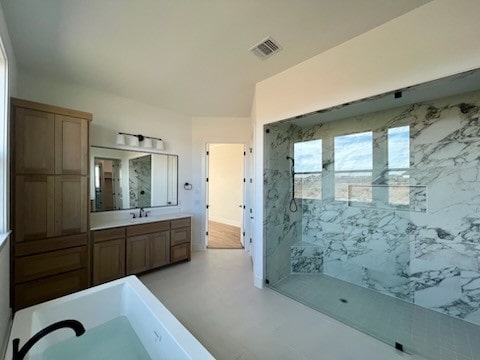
207, 130
5, 310
438, 39
225, 179
112, 114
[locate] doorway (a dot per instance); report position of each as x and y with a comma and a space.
225, 196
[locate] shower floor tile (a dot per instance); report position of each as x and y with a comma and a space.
421, 331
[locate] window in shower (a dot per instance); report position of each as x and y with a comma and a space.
353, 167
308, 169
398, 165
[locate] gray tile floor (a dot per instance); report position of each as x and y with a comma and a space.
214, 297
422, 331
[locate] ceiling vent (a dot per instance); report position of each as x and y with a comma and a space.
266, 48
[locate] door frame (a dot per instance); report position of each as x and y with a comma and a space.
244, 190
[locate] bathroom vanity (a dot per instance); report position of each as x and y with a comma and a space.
133, 246
129, 179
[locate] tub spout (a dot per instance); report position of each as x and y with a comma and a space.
20, 354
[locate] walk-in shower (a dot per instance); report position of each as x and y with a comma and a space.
386, 236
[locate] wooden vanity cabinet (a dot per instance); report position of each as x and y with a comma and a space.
108, 255
136, 249
137, 254
49, 205
159, 249
49, 139
181, 240
34, 209
34, 140
71, 145
148, 246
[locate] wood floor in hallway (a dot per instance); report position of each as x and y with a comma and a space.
223, 236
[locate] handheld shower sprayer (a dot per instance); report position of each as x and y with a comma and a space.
293, 204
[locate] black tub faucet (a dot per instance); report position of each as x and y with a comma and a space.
73, 324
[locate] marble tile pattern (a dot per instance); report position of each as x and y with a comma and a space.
140, 181
426, 252
306, 259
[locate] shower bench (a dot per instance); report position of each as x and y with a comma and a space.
306, 258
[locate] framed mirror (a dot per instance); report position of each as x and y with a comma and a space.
129, 179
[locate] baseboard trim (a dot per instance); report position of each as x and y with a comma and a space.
197, 247
258, 282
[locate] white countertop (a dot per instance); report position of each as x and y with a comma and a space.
100, 224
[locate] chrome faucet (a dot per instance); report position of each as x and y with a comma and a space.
20, 354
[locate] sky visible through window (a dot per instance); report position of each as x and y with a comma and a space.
399, 147
308, 156
353, 152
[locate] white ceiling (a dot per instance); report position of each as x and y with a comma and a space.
189, 56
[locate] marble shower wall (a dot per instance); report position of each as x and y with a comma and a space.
282, 227
424, 248
140, 181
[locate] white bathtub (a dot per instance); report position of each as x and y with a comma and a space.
160, 333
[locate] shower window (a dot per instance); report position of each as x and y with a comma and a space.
398, 165
353, 167
308, 169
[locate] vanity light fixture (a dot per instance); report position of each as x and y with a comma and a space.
147, 143
140, 140
120, 139
160, 145
133, 141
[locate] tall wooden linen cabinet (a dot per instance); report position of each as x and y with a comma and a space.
49, 202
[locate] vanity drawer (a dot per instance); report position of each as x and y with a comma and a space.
40, 246
51, 263
148, 228
180, 236
175, 224
35, 292
180, 252
108, 234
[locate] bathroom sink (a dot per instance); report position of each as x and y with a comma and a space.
143, 220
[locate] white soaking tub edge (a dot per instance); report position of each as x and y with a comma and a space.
162, 335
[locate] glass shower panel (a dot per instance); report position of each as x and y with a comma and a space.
282, 226
392, 245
